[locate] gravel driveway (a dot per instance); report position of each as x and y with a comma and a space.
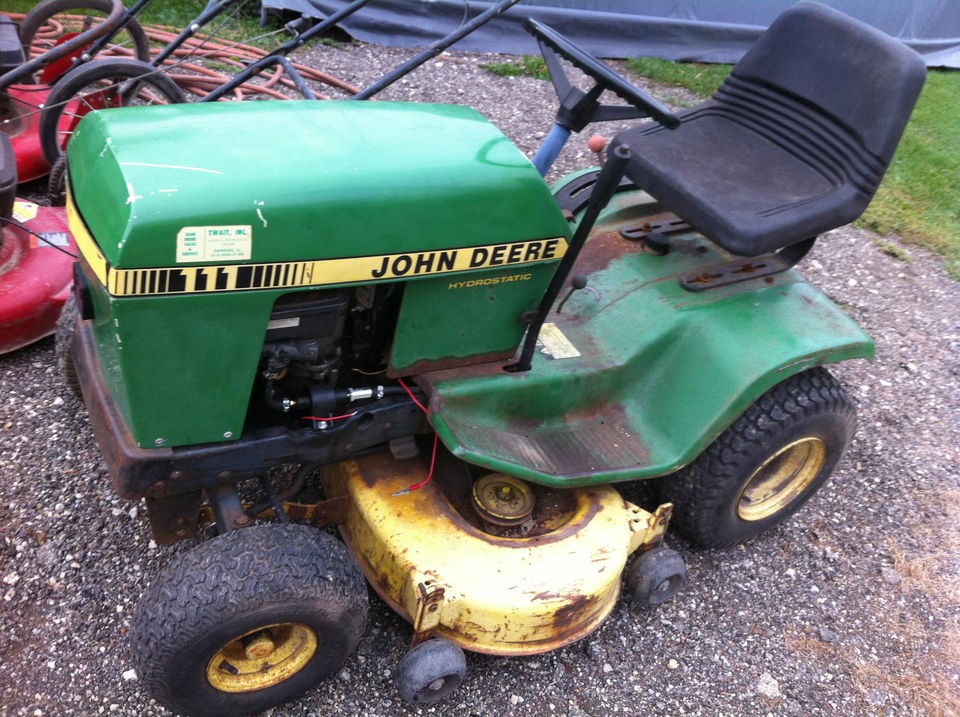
851, 608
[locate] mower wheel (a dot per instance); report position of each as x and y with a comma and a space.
430, 671
63, 345
51, 22
100, 85
248, 620
656, 576
766, 465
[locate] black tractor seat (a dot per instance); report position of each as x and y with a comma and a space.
796, 140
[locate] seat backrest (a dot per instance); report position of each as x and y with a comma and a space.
860, 77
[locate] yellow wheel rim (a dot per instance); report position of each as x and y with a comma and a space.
262, 658
781, 479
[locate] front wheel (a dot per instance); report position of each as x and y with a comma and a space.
766, 465
249, 620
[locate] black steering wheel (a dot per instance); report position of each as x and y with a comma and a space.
577, 109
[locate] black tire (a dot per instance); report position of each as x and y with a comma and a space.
248, 620
63, 345
656, 576
99, 84
766, 465
430, 671
57, 182
131, 38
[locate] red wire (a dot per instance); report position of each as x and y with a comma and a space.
436, 443
331, 418
433, 461
412, 397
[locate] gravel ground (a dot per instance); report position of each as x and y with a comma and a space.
850, 608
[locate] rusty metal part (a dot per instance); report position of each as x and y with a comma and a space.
175, 517
487, 593
738, 270
503, 500
665, 224
227, 509
649, 528
429, 600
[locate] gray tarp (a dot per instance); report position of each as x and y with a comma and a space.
696, 30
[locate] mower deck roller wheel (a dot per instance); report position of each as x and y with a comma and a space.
248, 620
484, 591
656, 576
430, 671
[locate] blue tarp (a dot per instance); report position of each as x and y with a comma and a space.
695, 30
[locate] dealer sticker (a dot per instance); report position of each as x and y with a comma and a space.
229, 243
554, 344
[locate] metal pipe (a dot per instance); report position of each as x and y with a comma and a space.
603, 190
273, 57
435, 49
111, 22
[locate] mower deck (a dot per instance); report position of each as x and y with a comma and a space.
563, 579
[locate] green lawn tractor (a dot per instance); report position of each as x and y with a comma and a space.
379, 317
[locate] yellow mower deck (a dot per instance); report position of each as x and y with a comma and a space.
435, 561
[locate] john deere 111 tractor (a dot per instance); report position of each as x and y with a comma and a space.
460, 361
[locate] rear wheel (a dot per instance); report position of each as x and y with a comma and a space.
52, 22
99, 85
249, 620
766, 465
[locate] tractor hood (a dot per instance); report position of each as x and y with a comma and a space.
357, 191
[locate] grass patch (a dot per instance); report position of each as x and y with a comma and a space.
920, 196
701, 79
526, 66
894, 250
919, 199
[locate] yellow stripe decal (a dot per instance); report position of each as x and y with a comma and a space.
85, 243
323, 272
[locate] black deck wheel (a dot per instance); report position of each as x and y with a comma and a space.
248, 620
766, 465
430, 671
655, 576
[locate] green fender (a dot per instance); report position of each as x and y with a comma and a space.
660, 371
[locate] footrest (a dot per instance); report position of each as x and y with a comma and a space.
600, 443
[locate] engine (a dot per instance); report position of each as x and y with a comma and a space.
325, 351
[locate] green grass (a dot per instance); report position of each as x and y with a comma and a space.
527, 66
919, 199
702, 80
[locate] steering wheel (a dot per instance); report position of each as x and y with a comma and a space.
577, 109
